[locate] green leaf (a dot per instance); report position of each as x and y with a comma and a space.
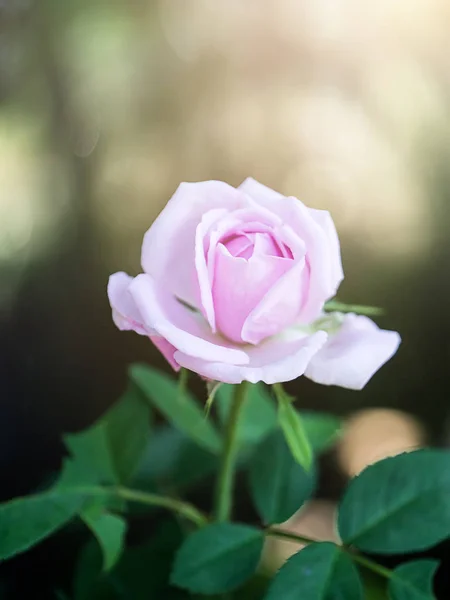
26, 521
323, 430
142, 573
399, 504
110, 533
184, 413
74, 473
110, 450
90, 582
173, 460
413, 580
374, 585
128, 431
320, 571
134, 574
278, 484
218, 558
92, 460
258, 417
294, 431
335, 305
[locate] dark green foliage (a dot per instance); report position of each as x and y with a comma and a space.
278, 484
399, 504
320, 571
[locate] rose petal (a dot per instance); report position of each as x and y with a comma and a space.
216, 225
168, 250
201, 265
240, 245
275, 360
224, 226
354, 354
259, 191
323, 218
278, 308
318, 232
126, 315
240, 285
253, 230
167, 350
181, 327
265, 245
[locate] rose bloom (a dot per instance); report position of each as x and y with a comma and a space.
234, 285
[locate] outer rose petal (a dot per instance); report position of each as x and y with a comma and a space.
126, 315
167, 350
318, 232
259, 191
275, 360
185, 330
168, 250
354, 354
323, 218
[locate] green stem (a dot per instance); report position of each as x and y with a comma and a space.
371, 565
302, 539
183, 382
288, 535
225, 480
278, 389
184, 509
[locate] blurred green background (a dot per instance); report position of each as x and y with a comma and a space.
107, 105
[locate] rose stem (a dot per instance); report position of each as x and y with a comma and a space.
301, 539
225, 480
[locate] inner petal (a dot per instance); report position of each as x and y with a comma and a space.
247, 242
239, 245
265, 244
240, 285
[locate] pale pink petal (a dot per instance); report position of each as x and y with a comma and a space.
239, 286
204, 283
186, 330
259, 191
248, 230
253, 212
278, 308
126, 315
167, 350
240, 245
251, 219
168, 250
319, 256
238, 222
224, 226
323, 218
354, 354
323, 256
265, 245
275, 360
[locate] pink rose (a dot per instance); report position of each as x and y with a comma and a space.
234, 287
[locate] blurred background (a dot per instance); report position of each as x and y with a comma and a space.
106, 105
